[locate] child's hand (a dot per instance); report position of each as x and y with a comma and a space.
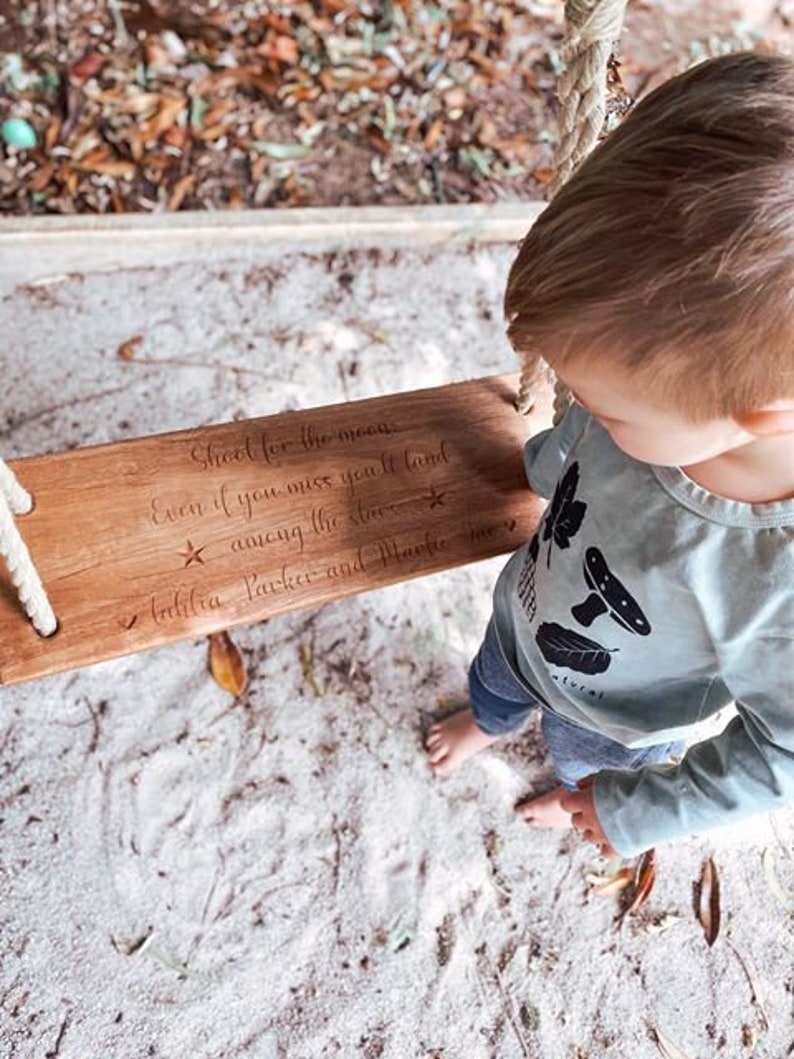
580, 804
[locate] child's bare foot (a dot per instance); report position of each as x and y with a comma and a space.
545, 810
454, 740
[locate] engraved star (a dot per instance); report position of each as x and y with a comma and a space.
436, 499
193, 555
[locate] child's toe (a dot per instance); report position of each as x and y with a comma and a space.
437, 754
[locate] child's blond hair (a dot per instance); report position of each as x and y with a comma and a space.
671, 249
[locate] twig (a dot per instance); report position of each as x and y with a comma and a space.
119, 25
56, 1049
95, 715
752, 978
511, 1018
336, 831
188, 362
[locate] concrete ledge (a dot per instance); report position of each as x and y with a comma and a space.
35, 249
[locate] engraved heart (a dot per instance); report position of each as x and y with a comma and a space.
127, 623
510, 524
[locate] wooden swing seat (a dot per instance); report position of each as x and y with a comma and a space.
141, 543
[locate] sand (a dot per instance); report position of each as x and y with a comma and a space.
185, 875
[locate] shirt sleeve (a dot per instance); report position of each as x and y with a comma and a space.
747, 769
545, 453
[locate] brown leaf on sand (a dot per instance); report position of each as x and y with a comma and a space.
126, 350
644, 880
614, 883
709, 902
226, 663
669, 1049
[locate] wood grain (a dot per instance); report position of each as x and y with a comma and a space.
141, 543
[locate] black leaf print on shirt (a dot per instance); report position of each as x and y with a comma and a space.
564, 647
566, 513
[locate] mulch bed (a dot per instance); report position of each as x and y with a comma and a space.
137, 106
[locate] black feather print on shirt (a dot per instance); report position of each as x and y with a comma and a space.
564, 647
565, 515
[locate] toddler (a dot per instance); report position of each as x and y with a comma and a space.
659, 285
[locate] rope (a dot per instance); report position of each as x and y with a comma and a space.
24, 576
591, 29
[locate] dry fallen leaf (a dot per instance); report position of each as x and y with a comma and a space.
433, 134
614, 883
226, 663
307, 664
666, 1047
52, 134
182, 187
661, 924
113, 167
126, 350
168, 112
544, 174
279, 49
709, 902
41, 177
644, 880
90, 65
757, 990
786, 899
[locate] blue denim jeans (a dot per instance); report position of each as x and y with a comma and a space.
501, 704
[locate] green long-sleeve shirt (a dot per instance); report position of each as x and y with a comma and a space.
643, 605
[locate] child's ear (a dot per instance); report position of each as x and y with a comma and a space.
771, 420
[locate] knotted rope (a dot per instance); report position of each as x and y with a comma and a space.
24, 576
591, 29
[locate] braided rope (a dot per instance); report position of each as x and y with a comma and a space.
24, 576
591, 29
593, 26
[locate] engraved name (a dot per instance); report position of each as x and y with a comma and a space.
391, 551
183, 603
